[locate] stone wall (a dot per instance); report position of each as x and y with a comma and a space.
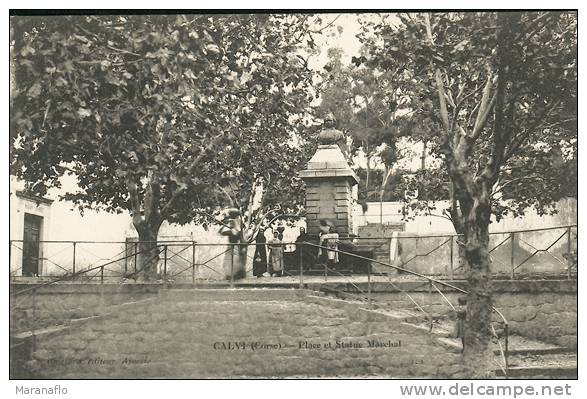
551, 317
261, 333
60, 303
423, 224
377, 238
329, 199
439, 255
173, 334
539, 309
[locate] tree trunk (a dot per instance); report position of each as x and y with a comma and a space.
147, 224
470, 214
478, 351
423, 156
148, 251
368, 174
461, 257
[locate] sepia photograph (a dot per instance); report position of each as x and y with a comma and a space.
293, 194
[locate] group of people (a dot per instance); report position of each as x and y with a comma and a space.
282, 254
275, 255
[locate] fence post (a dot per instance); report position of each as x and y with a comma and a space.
165, 263
9, 256
512, 254
507, 344
301, 265
452, 243
102, 275
232, 265
34, 318
569, 249
125, 258
73, 268
429, 295
34, 336
193, 262
369, 285
136, 254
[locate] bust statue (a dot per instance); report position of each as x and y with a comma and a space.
329, 134
329, 121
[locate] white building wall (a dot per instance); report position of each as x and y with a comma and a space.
18, 208
101, 235
392, 213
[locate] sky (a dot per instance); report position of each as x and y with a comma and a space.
345, 38
341, 33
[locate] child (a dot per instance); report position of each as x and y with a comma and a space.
330, 240
461, 310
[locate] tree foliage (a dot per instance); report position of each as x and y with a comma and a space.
502, 89
464, 61
159, 115
364, 103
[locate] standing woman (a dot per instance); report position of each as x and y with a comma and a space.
276, 255
301, 255
260, 258
235, 258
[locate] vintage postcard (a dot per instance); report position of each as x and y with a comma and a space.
314, 194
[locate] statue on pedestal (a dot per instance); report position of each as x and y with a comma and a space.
329, 134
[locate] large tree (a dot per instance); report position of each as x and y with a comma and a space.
502, 89
155, 114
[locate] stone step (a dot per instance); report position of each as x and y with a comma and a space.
518, 345
541, 373
530, 359
543, 366
544, 360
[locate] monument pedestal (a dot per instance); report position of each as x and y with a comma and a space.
329, 190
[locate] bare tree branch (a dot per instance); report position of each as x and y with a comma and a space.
484, 109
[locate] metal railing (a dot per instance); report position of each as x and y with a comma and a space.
546, 251
432, 284
23, 340
532, 252
190, 261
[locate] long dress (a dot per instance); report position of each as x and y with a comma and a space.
235, 257
260, 258
302, 253
289, 256
276, 255
330, 241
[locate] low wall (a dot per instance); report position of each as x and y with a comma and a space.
539, 309
440, 255
60, 303
423, 224
195, 335
174, 334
